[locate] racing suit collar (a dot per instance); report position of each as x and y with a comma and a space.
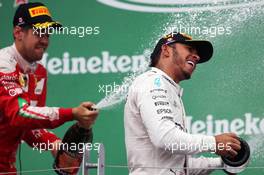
179, 90
24, 64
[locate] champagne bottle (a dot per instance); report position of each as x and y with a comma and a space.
238, 163
70, 153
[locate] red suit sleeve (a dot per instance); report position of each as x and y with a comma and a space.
37, 137
14, 106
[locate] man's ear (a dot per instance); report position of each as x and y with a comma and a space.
165, 50
17, 33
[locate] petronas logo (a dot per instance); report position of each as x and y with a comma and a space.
169, 6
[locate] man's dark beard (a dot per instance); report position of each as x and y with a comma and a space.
175, 56
186, 75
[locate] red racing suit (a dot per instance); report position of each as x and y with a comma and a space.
23, 114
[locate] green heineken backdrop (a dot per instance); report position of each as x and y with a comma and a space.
104, 41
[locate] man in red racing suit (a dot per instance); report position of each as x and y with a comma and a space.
23, 114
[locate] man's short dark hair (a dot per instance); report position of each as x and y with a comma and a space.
155, 55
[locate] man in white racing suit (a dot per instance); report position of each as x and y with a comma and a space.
157, 141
